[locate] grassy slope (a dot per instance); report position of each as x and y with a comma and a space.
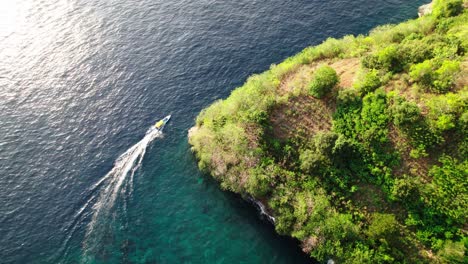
374, 170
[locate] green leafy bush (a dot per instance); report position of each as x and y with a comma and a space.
405, 113
368, 82
423, 72
405, 189
388, 59
416, 50
387, 34
383, 226
435, 76
421, 134
448, 192
446, 47
372, 125
323, 80
330, 48
445, 122
261, 177
454, 252
445, 76
348, 97
447, 8
318, 153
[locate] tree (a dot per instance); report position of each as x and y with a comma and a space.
323, 80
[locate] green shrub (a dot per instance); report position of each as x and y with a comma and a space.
446, 47
323, 80
435, 76
261, 178
450, 103
445, 76
418, 152
447, 8
356, 46
445, 122
368, 82
331, 48
387, 34
449, 188
453, 252
373, 122
348, 97
319, 152
416, 50
388, 59
382, 225
423, 72
405, 113
405, 189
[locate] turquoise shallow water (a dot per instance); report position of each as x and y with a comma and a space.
81, 82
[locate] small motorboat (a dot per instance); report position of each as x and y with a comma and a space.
161, 123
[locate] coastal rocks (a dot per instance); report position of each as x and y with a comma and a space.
191, 131
425, 10
261, 208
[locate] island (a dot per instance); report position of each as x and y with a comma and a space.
356, 147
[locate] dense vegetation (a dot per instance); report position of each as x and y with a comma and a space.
366, 164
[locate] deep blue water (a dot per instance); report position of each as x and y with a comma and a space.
81, 82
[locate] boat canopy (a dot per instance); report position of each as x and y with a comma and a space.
159, 124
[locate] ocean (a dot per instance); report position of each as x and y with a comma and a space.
82, 81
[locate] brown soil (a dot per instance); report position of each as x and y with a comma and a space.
299, 79
346, 70
305, 115
301, 116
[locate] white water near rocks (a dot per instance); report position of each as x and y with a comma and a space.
262, 209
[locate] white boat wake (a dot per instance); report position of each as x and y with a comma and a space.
123, 171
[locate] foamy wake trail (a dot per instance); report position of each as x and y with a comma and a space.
111, 186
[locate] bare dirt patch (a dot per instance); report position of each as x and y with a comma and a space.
346, 70
305, 115
299, 79
301, 116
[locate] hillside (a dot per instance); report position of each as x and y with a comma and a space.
358, 146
